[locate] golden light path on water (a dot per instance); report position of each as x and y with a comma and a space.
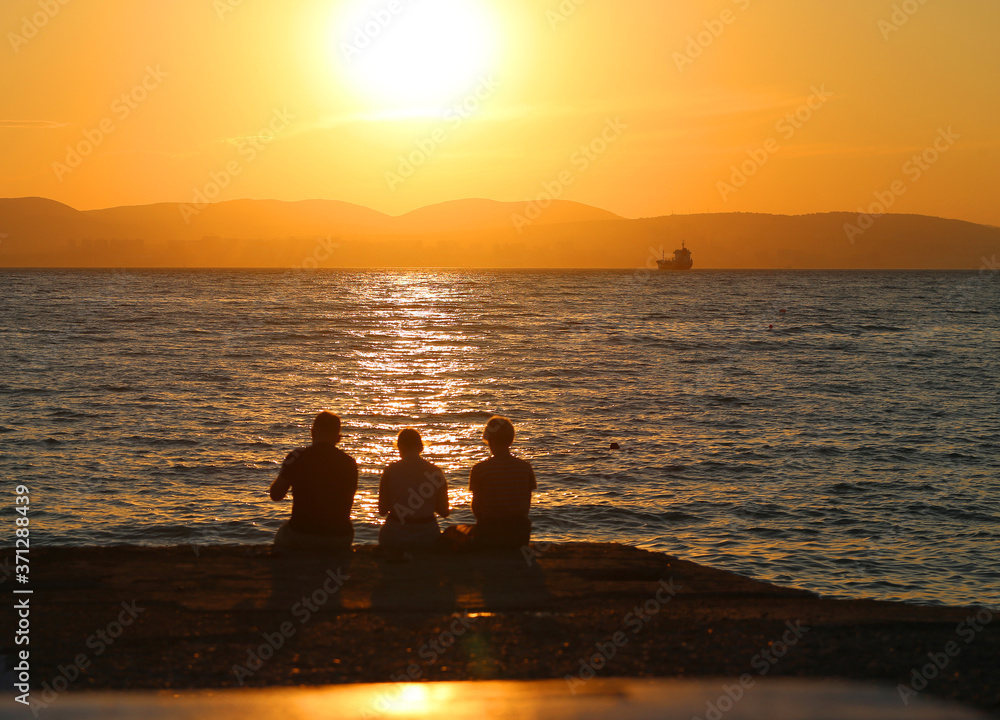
420, 365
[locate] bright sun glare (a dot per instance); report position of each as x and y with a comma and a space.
416, 52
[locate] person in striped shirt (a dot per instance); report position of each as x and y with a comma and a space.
501, 491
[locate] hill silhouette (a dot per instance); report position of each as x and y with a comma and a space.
479, 214
244, 219
470, 233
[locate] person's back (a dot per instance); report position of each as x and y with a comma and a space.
411, 491
323, 480
501, 488
501, 491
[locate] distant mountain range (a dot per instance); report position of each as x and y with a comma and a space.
36, 232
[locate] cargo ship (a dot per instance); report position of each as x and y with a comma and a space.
680, 261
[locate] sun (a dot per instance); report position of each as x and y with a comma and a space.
416, 52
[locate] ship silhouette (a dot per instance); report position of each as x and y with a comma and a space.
680, 261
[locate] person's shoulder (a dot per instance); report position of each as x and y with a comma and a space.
481, 465
340, 454
430, 468
295, 463
391, 468
509, 460
524, 466
522, 462
294, 455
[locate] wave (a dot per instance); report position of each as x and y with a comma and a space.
845, 487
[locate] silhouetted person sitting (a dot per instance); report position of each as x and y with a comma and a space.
323, 480
411, 491
501, 491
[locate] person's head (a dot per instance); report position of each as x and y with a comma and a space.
409, 442
326, 428
499, 433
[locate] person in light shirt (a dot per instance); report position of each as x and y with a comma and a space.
412, 493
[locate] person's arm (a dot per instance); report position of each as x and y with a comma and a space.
441, 506
383, 493
354, 483
474, 488
532, 483
280, 486
282, 483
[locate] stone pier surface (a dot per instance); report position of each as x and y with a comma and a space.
599, 621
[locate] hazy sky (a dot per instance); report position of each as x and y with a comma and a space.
641, 107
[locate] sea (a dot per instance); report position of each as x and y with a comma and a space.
834, 431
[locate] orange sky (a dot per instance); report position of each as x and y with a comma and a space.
308, 99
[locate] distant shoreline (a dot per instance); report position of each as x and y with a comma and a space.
474, 233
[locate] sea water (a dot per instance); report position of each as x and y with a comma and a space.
836, 431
